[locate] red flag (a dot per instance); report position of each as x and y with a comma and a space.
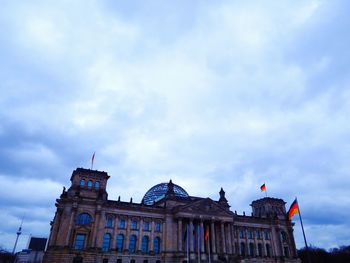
206, 235
263, 188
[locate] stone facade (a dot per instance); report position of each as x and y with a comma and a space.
89, 228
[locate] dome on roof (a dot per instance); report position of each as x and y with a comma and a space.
158, 191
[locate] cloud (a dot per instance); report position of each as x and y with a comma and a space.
208, 94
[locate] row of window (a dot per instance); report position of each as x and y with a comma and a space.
252, 252
90, 184
106, 245
85, 219
134, 224
250, 233
79, 259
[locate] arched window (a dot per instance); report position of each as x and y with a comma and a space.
145, 241
251, 249
106, 242
89, 184
120, 243
132, 244
84, 219
82, 182
268, 250
97, 185
156, 245
242, 249
260, 252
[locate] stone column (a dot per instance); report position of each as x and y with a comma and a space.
229, 238
202, 237
71, 222
152, 235
191, 235
96, 231
127, 235
213, 242
140, 235
179, 234
55, 227
223, 237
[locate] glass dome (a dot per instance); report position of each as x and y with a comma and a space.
158, 191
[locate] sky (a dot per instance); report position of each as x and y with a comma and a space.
209, 94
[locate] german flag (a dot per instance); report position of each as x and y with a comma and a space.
263, 188
294, 209
206, 235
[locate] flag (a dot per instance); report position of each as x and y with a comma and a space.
92, 160
263, 188
206, 235
294, 208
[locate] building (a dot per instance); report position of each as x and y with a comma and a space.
34, 252
167, 226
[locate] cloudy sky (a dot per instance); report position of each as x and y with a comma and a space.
208, 93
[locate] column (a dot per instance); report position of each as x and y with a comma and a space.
152, 236
55, 227
71, 219
213, 245
94, 242
202, 237
191, 235
179, 235
223, 238
127, 235
229, 239
140, 235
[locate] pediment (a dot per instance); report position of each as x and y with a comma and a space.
203, 207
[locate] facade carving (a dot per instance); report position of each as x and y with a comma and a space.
167, 226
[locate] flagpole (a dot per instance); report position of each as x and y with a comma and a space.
199, 240
265, 190
302, 228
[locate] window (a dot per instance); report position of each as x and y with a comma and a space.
97, 185
134, 224
145, 241
145, 261
260, 253
120, 243
268, 250
106, 242
242, 249
132, 244
158, 261
82, 182
242, 234
250, 234
77, 260
79, 241
89, 184
286, 252
146, 226
156, 245
132, 261
251, 249
84, 219
109, 222
158, 227
119, 260
258, 234
283, 236
267, 235
122, 223
105, 260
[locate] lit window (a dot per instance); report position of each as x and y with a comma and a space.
84, 219
158, 227
145, 241
109, 222
146, 226
134, 224
79, 241
132, 244
122, 223
89, 184
106, 242
156, 245
120, 243
97, 185
82, 182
